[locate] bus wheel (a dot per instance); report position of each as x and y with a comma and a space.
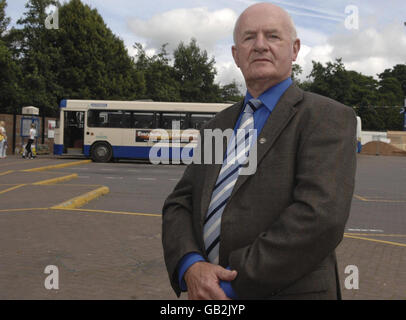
101, 152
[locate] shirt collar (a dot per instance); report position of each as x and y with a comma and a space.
271, 96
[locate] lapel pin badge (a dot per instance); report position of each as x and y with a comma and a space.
262, 140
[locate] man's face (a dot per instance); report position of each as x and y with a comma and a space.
264, 48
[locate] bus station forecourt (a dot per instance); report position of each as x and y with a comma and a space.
100, 225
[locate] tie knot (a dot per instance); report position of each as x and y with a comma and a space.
252, 105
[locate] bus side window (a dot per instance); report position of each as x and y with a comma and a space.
143, 120
174, 121
198, 120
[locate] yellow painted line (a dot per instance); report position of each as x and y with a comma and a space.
7, 172
377, 235
81, 185
57, 166
360, 198
13, 188
56, 180
22, 210
82, 210
375, 240
83, 199
378, 200
113, 212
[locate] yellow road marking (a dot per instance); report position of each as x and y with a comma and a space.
7, 172
378, 200
377, 235
375, 240
83, 210
12, 188
56, 166
115, 212
22, 210
360, 198
80, 185
56, 180
83, 199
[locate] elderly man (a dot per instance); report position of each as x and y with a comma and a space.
271, 234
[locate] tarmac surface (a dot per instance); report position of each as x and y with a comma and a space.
100, 225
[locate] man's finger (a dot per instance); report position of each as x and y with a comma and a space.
227, 275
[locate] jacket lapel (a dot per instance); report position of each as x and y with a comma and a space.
283, 112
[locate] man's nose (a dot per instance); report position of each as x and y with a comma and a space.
260, 43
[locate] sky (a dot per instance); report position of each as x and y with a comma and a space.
369, 35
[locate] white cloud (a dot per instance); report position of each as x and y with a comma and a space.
207, 27
389, 42
369, 50
307, 54
228, 72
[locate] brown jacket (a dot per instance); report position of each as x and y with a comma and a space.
281, 226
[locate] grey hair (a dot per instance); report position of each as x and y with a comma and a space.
290, 20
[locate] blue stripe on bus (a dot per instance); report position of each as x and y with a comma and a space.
135, 152
144, 152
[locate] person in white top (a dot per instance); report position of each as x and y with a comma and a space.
3, 140
33, 133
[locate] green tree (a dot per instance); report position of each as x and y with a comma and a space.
390, 92
4, 21
95, 63
82, 59
36, 52
398, 72
161, 84
348, 87
231, 93
363, 89
9, 70
331, 81
296, 72
195, 72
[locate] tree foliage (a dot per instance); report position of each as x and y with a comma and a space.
377, 102
158, 75
95, 64
10, 73
196, 72
4, 20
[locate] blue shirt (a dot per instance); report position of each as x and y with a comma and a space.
269, 99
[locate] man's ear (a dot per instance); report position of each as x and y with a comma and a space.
296, 49
235, 56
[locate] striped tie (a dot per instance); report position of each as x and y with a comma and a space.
237, 156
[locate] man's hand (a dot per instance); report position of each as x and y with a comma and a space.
203, 281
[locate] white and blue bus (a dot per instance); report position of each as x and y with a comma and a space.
106, 130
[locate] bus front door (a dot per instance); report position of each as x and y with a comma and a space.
74, 132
